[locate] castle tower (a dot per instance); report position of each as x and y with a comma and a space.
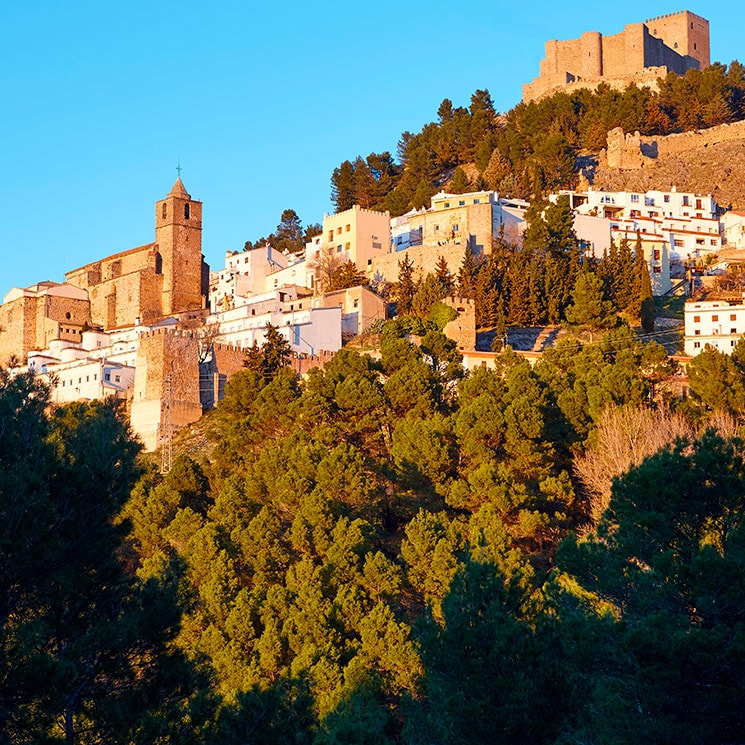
178, 234
684, 32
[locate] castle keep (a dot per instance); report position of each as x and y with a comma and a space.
641, 53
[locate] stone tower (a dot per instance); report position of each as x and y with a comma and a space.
178, 235
684, 32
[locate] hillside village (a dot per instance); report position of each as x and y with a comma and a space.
462, 462
154, 327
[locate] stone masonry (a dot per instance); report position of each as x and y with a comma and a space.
641, 53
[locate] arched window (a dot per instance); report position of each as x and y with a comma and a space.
187, 211
164, 210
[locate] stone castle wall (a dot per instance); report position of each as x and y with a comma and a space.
641, 53
627, 151
462, 330
162, 354
424, 258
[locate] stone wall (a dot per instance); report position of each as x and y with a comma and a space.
31, 322
628, 151
641, 53
424, 258
462, 330
160, 355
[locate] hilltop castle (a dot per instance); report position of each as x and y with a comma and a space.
641, 53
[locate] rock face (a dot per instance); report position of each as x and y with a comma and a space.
708, 161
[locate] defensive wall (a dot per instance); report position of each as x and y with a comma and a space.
641, 53
462, 330
424, 258
628, 151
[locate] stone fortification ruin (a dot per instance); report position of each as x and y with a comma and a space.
641, 53
628, 151
704, 161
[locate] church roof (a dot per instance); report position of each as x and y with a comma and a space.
179, 190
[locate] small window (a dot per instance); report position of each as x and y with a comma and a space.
733, 316
733, 331
67, 316
338, 230
476, 201
447, 204
657, 254
635, 198
715, 318
107, 376
437, 227
462, 203
339, 249
679, 242
164, 210
697, 319
657, 270
347, 228
187, 211
117, 378
697, 345
697, 332
666, 198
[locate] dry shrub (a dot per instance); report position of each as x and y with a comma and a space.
625, 437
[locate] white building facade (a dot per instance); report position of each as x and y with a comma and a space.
718, 322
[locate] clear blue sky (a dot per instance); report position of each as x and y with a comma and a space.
100, 100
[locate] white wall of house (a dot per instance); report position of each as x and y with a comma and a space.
717, 322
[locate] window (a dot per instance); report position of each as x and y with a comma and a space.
697, 345
656, 254
107, 376
347, 228
447, 204
164, 210
476, 201
117, 378
685, 201
713, 241
331, 235
679, 242
356, 303
437, 227
462, 203
697, 332
733, 331
187, 211
657, 270
666, 198
634, 198
733, 316
347, 246
339, 249
338, 230
456, 227
715, 318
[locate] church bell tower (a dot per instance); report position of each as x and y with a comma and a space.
178, 235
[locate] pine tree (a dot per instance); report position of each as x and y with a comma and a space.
467, 274
443, 274
459, 184
343, 187
647, 308
405, 287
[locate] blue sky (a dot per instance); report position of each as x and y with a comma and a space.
260, 104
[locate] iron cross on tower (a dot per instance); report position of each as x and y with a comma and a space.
178, 167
